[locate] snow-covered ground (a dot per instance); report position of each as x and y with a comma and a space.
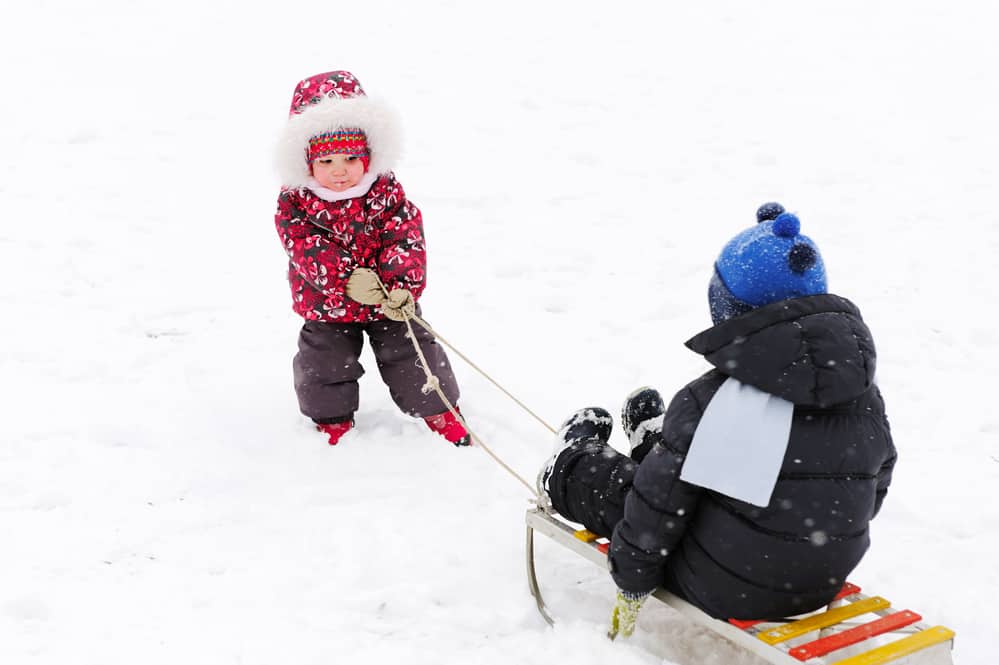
579, 165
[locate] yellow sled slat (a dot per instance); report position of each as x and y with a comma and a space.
824, 620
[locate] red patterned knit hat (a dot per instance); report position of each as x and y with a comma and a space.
339, 142
331, 114
334, 85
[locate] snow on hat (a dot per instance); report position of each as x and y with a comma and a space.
770, 262
327, 105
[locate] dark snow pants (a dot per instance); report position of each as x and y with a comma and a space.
590, 482
327, 368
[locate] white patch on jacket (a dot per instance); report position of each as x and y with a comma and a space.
740, 442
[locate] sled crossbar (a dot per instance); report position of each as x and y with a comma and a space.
892, 636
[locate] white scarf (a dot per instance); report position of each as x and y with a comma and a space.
360, 189
740, 442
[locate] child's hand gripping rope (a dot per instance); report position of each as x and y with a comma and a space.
365, 287
399, 305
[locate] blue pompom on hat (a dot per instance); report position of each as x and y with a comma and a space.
770, 262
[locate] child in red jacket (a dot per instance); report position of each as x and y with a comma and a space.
340, 209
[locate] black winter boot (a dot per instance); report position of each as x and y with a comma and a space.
641, 415
586, 425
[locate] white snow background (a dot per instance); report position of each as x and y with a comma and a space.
579, 165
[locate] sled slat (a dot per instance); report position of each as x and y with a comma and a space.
848, 590
903, 647
743, 624
831, 643
823, 620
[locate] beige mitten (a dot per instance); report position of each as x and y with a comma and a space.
400, 305
364, 286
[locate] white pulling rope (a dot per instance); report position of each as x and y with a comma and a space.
430, 330
433, 383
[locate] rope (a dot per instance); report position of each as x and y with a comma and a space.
434, 384
461, 355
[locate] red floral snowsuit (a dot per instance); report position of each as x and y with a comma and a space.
325, 241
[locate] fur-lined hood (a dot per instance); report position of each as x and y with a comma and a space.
330, 101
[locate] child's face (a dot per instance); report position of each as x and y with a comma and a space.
338, 172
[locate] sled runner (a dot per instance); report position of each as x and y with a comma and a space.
889, 636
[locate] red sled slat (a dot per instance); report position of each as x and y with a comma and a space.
847, 590
824, 645
743, 624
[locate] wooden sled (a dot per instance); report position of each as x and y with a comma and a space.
891, 636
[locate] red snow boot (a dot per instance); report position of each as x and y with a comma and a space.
450, 428
335, 430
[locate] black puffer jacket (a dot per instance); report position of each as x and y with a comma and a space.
730, 558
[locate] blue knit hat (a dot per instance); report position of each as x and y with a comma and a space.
770, 262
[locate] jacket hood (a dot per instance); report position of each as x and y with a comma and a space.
330, 101
811, 351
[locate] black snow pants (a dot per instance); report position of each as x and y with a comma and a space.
590, 482
327, 368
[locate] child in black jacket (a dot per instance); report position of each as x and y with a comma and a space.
750, 495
